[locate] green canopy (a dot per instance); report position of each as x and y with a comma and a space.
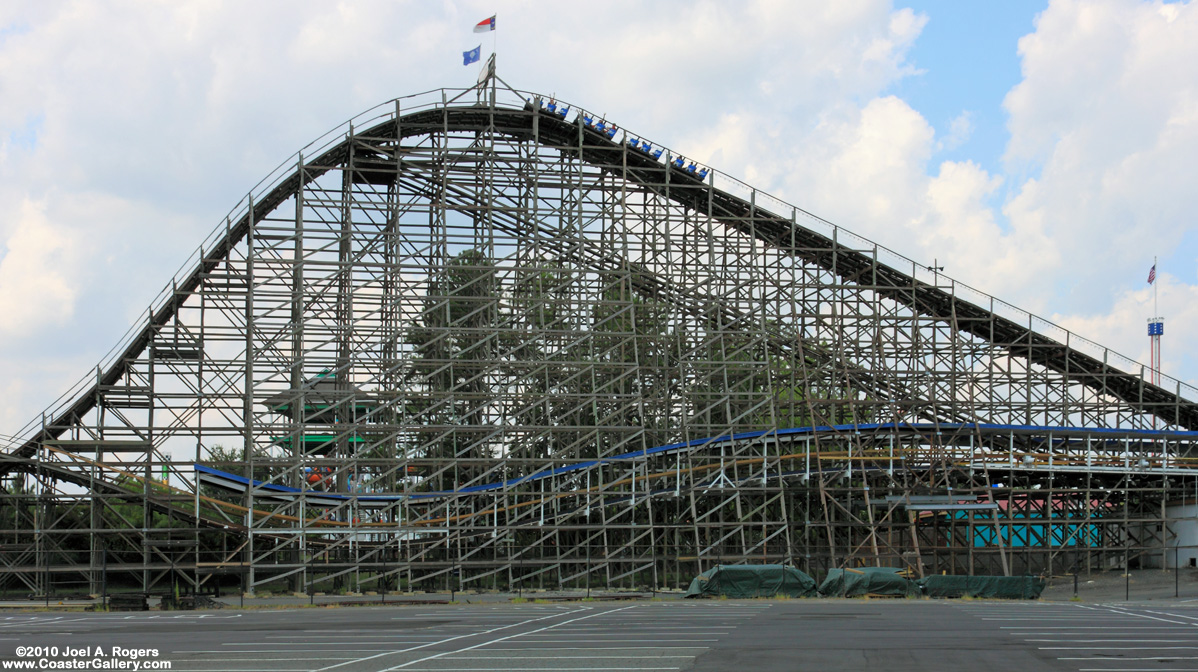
860, 581
740, 581
1003, 587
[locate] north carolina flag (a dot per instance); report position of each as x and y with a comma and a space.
1152, 274
471, 56
485, 26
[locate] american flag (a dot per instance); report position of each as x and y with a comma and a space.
1152, 274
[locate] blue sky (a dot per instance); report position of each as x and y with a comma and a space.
967, 59
127, 131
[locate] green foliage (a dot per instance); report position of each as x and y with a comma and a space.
594, 363
801, 402
636, 372
454, 345
19, 504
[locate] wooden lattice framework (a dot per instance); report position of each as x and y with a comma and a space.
493, 342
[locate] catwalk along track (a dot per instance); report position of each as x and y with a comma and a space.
484, 339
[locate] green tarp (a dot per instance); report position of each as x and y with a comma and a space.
1002, 587
886, 581
740, 581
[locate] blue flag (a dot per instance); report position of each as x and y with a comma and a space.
471, 56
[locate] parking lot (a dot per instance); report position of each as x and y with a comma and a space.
627, 636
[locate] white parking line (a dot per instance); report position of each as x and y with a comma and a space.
470, 648
672, 641
330, 643
55, 621
175, 617
1026, 619
722, 620
1156, 628
1118, 648
450, 639
456, 617
1132, 613
380, 635
1112, 641
285, 651
588, 657
1107, 625
1164, 613
1120, 660
639, 633
655, 628
605, 648
248, 660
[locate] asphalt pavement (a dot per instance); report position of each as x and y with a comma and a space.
766, 635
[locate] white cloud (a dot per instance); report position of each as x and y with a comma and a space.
35, 289
155, 119
959, 130
78, 269
1104, 129
1107, 114
1124, 326
870, 170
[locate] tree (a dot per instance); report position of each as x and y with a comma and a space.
453, 368
231, 460
635, 372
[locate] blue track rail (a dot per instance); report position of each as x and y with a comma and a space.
235, 483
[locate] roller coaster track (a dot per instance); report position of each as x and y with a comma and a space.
681, 187
75, 469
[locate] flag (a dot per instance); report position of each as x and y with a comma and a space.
485, 26
471, 56
1152, 274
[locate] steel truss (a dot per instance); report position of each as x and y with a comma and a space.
478, 340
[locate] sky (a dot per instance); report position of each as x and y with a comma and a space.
1040, 151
